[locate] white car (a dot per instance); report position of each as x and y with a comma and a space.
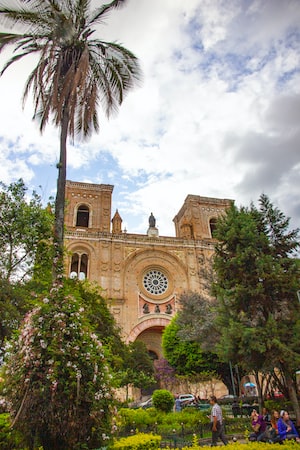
227, 397
186, 398
146, 404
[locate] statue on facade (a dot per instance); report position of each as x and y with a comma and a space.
169, 309
146, 308
152, 221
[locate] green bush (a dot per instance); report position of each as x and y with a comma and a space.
135, 419
9, 438
278, 404
139, 441
159, 422
163, 400
147, 441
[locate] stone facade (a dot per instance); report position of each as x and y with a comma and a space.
142, 275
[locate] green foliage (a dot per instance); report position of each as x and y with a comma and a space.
278, 405
25, 231
140, 441
135, 419
182, 347
137, 368
158, 421
289, 445
163, 400
9, 438
13, 306
185, 356
56, 376
98, 314
25, 245
257, 278
256, 285
196, 320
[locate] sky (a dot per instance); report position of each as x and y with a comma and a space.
217, 113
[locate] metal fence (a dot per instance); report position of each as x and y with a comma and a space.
184, 435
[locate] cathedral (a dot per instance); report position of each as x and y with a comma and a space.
142, 275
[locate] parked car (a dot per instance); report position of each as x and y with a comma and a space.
278, 394
186, 398
146, 404
227, 397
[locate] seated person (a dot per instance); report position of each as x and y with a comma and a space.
286, 428
274, 435
259, 426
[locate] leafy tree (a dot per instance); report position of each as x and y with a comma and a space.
25, 245
25, 231
75, 72
182, 343
56, 376
185, 356
196, 320
257, 279
13, 305
137, 368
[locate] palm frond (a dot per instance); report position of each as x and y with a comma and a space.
100, 13
74, 72
16, 58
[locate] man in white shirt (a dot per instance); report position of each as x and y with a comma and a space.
216, 421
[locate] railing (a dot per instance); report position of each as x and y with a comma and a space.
182, 436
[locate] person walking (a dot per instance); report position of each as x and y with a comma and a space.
216, 421
177, 404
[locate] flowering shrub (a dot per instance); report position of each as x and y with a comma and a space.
142, 441
56, 379
139, 441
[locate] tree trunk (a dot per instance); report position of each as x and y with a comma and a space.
293, 397
57, 267
259, 392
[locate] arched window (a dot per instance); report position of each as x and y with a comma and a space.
212, 226
79, 266
152, 355
83, 214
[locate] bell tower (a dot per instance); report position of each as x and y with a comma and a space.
198, 216
88, 206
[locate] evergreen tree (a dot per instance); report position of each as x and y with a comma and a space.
257, 279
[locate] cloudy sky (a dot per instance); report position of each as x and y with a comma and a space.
217, 114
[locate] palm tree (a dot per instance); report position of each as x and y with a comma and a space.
75, 73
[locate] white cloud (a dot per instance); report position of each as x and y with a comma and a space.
217, 113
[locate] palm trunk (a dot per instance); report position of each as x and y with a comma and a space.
58, 260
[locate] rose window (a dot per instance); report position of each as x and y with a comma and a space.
155, 282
